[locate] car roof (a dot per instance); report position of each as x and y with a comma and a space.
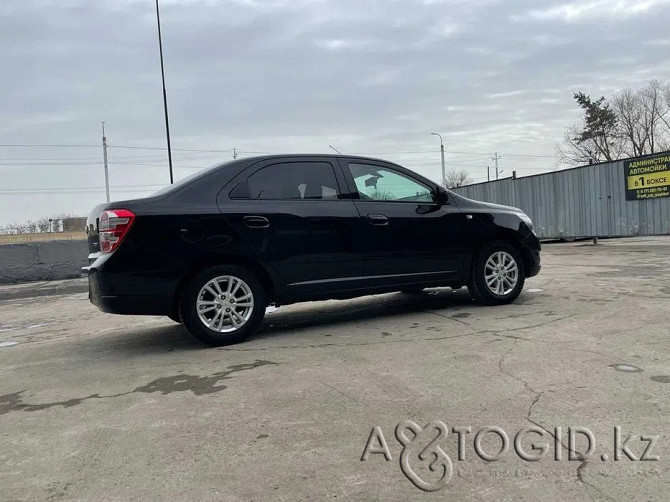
312, 155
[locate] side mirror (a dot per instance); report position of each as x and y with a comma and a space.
442, 196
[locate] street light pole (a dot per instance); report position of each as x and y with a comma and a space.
444, 174
167, 121
496, 158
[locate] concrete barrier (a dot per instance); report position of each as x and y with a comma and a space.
39, 261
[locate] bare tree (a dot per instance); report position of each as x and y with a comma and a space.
43, 225
643, 118
636, 123
633, 122
457, 178
657, 109
666, 102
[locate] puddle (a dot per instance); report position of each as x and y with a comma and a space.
626, 368
8, 344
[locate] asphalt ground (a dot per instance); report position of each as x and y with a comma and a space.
102, 407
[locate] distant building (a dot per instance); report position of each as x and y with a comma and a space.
77, 224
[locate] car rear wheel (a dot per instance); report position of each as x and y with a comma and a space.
222, 305
497, 275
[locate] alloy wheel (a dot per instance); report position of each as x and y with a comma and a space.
225, 304
501, 273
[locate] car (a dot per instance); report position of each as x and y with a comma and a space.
213, 250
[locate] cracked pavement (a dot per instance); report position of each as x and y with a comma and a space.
101, 407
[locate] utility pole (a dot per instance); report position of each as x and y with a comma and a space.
496, 158
488, 173
234, 153
165, 107
444, 173
104, 157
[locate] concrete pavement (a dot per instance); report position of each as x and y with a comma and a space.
101, 407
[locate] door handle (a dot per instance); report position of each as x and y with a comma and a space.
378, 219
256, 221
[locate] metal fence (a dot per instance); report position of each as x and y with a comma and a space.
586, 201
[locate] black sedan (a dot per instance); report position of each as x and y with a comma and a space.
213, 250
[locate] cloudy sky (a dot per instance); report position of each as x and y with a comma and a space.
372, 77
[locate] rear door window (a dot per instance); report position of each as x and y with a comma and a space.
290, 181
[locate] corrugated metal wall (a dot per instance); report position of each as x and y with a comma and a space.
587, 201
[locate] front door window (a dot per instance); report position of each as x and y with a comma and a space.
381, 184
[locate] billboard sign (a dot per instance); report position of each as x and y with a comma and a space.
647, 177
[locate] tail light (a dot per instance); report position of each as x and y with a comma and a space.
114, 225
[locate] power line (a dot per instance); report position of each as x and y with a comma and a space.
4, 159
48, 146
230, 150
70, 192
49, 163
92, 164
153, 165
84, 187
94, 159
174, 149
532, 156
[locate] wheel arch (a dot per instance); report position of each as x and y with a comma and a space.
264, 275
512, 238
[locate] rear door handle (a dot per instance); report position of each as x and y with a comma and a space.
378, 219
256, 221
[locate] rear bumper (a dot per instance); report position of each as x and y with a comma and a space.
100, 295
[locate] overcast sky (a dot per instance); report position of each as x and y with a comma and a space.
373, 77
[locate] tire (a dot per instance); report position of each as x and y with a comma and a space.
246, 307
505, 287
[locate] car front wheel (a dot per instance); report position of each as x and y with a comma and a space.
497, 275
222, 305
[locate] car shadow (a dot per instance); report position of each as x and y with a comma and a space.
283, 322
165, 337
316, 314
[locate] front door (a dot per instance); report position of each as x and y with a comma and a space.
405, 235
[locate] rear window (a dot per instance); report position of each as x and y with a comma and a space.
188, 179
178, 184
290, 181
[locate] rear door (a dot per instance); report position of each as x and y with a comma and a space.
404, 234
297, 218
